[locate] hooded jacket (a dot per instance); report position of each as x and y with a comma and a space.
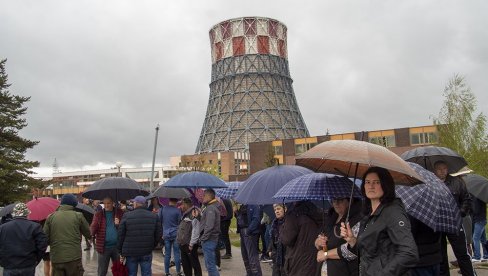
385, 242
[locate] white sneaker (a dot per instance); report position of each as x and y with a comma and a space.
473, 260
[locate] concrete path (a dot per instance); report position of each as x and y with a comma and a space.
232, 267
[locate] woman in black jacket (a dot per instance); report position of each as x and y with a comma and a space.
384, 244
337, 264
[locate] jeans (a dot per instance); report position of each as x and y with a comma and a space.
250, 253
168, 245
479, 237
208, 247
144, 261
104, 260
431, 270
26, 271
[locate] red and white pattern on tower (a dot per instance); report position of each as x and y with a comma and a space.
248, 36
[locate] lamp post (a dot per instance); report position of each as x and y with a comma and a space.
118, 165
154, 159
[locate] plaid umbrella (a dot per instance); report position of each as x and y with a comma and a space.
318, 186
431, 203
230, 191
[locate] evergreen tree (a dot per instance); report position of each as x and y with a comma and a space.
15, 182
460, 129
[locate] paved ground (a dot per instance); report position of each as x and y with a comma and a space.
232, 267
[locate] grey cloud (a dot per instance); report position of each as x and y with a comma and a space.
102, 74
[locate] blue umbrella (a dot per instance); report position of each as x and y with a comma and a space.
195, 180
260, 187
431, 203
318, 186
230, 191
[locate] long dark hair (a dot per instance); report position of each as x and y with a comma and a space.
387, 184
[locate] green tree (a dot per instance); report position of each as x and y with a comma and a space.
460, 128
15, 182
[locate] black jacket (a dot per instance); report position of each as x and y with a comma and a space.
385, 243
228, 208
298, 234
479, 210
332, 231
428, 243
139, 233
22, 243
458, 190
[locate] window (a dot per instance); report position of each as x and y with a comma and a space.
301, 148
423, 138
385, 141
278, 150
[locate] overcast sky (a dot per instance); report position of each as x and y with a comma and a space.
102, 74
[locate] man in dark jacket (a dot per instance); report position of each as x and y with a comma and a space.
139, 233
64, 229
22, 243
210, 227
298, 234
104, 231
458, 242
248, 223
224, 228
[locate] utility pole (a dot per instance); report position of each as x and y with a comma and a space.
154, 160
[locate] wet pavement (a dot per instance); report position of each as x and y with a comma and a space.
230, 267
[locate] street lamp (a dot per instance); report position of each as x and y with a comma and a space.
118, 165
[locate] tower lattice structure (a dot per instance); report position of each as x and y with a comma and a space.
251, 94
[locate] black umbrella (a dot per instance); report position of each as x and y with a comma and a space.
117, 188
429, 155
7, 209
166, 192
87, 211
477, 185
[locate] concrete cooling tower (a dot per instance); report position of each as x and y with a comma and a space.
251, 94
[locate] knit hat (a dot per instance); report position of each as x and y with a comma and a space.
20, 210
69, 199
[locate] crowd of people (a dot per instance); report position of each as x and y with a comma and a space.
369, 236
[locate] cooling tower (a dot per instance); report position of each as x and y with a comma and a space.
251, 93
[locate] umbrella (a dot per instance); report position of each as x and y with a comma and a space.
318, 186
260, 187
431, 203
230, 191
352, 158
427, 156
40, 208
117, 188
166, 192
476, 185
195, 180
7, 209
84, 208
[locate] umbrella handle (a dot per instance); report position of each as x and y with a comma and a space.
352, 192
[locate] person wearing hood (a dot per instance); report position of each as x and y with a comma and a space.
298, 234
64, 229
22, 243
384, 243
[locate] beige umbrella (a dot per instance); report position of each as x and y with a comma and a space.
352, 158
